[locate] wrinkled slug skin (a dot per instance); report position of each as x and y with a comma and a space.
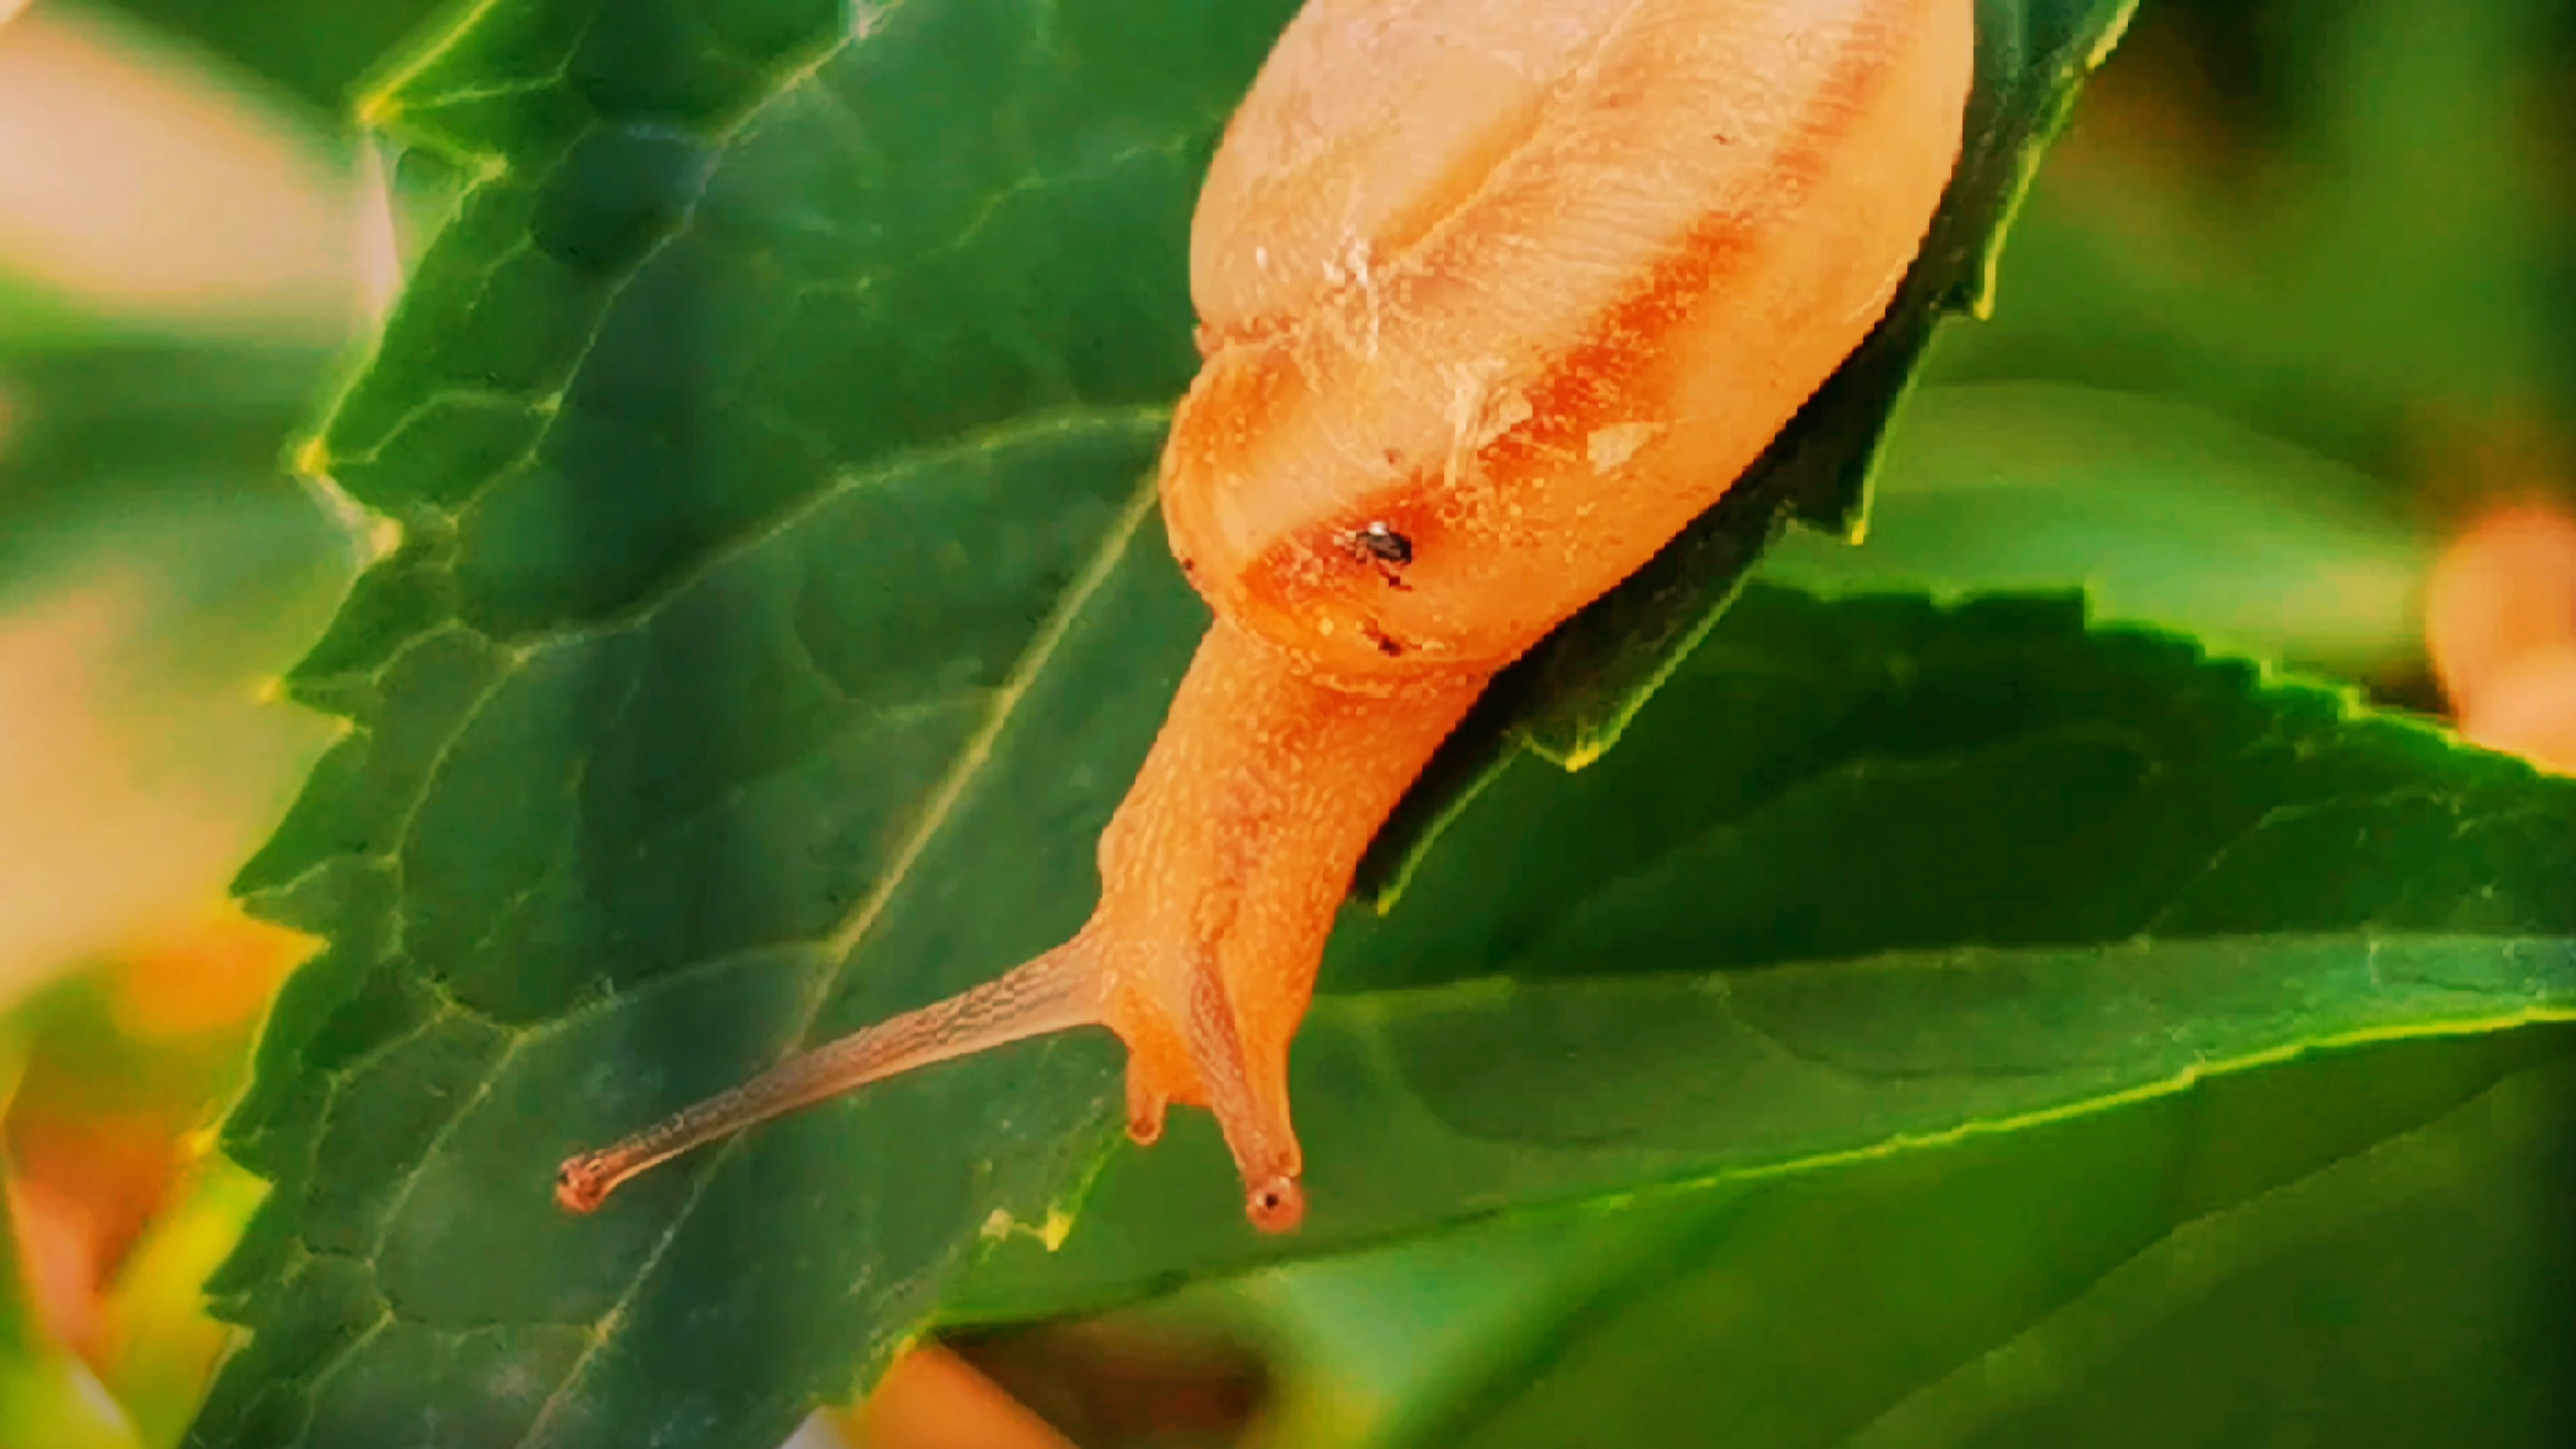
1530, 284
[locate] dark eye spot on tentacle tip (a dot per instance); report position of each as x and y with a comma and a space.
1276, 1206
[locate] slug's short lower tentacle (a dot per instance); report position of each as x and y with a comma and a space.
1251, 1112
1147, 1105
1055, 992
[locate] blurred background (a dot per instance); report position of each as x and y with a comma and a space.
2284, 353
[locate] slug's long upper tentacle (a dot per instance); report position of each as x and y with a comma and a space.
1055, 992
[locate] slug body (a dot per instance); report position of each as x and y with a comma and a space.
1495, 297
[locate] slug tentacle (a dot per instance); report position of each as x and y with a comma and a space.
1494, 298
1252, 1115
1147, 1106
1054, 992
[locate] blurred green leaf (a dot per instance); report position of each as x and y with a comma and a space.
2388, 250
1372, 1347
33, 319
2426, 193
313, 50
104, 444
165, 1344
151, 194
157, 570
47, 1395
2162, 512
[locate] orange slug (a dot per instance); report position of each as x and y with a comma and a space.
1495, 296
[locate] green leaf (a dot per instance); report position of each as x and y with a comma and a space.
2361, 1247
2443, 1248
1953, 871
1571, 697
